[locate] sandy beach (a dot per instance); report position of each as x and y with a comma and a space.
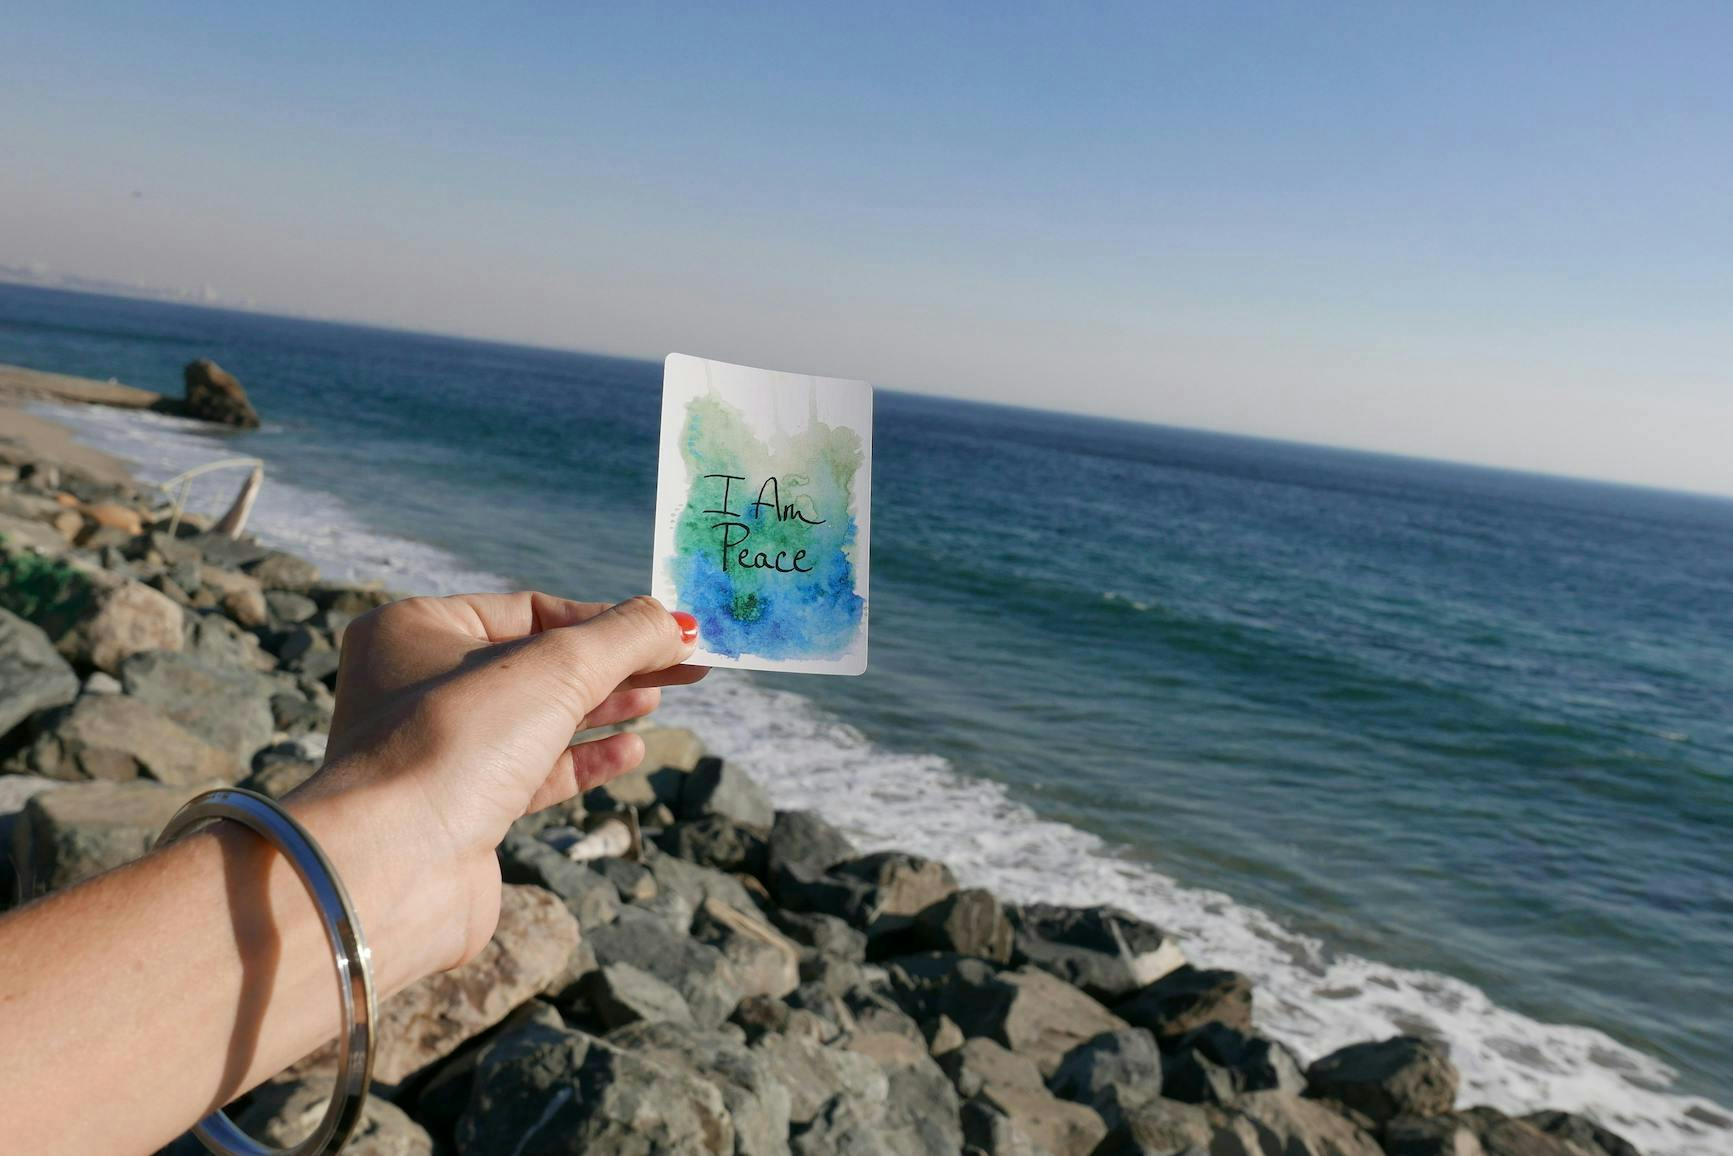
38, 437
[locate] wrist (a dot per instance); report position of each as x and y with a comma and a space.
408, 903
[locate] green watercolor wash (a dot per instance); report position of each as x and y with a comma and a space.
762, 612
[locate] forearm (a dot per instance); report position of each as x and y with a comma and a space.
175, 983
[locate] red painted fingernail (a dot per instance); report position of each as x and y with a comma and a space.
688, 625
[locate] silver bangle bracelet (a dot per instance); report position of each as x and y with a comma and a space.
355, 993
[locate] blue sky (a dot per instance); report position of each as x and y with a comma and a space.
1494, 233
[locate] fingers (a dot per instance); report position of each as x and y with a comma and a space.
591, 659
504, 617
587, 765
623, 705
673, 676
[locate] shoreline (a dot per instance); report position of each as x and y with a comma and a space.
62, 434
48, 439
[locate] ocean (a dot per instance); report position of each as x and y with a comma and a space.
1420, 747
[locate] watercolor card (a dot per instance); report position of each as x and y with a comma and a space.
763, 513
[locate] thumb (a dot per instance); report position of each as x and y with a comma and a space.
593, 658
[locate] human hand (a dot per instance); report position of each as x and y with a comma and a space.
454, 718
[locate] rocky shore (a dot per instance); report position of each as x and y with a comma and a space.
751, 984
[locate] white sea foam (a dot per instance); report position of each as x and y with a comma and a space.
291, 517
1313, 999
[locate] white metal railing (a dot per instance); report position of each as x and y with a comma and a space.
236, 519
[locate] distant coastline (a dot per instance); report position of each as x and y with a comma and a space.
200, 300
44, 277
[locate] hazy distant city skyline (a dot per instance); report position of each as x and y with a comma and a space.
1486, 234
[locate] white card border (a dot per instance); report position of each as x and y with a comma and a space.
684, 377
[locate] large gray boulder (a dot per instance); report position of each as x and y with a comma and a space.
981, 1063
620, 995
83, 829
765, 961
1401, 1076
1502, 1135
968, 922
1217, 1065
276, 570
804, 841
431, 1018
926, 980
1049, 1123
694, 883
31, 507
33, 675
761, 1015
287, 608
299, 711
545, 1091
1275, 1121
567, 988
220, 550
1583, 1132
238, 595
921, 1108
15, 792
587, 895
29, 535
843, 1127
858, 1006
306, 650
1186, 998
816, 1075
117, 738
901, 886
633, 880
439, 1100
825, 934
1115, 1073
717, 842
229, 709
1448, 1135
349, 598
1107, 952
942, 1034
989, 1132
1028, 1010
724, 789
843, 897
699, 972
1162, 1128
1010, 1085
95, 618
218, 642
130, 618
757, 1103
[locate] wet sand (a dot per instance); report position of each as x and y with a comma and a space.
41, 437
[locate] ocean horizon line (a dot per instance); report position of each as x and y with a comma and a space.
925, 395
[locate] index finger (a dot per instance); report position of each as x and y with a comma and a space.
507, 617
